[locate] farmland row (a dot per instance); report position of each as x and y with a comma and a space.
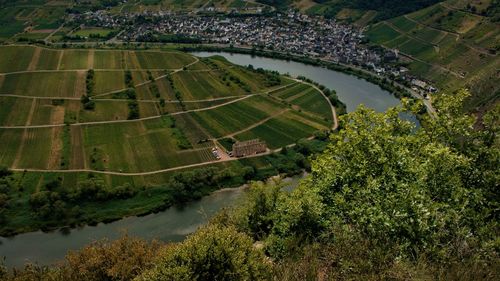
31, 58
161, 142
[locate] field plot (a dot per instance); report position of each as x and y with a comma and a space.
45, 113
313, 101
237, 116
14, 111
148, 109
164, 89
15, 58
105, 111
138, 146
290, 91
203, 85
48, 60
109, 59
11, 141
162, 60
382, 33
283, 130
108, 81
307, 98
11, 23
451, 48
44, 84
36, 147
139, 77
75, 59
101, 32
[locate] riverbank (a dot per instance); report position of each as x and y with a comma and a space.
382, 82
171, 225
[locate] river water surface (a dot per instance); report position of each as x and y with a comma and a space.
174, 224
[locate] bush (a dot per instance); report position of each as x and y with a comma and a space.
212, 253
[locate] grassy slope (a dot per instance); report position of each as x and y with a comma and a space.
453, 47
358, 12
136, 146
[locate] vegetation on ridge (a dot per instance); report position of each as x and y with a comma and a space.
383, 201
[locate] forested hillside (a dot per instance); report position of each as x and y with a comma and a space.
383, 201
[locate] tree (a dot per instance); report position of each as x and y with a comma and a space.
421, 189
122, 259
212, 253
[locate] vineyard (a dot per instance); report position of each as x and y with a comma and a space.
124, 111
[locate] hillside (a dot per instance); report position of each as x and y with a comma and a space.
453, 44
94, 126
384, 201
359, 12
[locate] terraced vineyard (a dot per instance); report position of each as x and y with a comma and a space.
131, 119
184, 107
448, 45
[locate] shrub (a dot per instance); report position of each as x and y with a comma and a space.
212, 253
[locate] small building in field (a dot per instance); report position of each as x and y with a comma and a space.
251, 147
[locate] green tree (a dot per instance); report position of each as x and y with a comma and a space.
212, 253
421, 189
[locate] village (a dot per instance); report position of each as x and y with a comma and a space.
291, 33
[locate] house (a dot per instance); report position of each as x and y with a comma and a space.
251, 147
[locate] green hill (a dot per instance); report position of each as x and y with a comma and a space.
86, 126
359, 12
453, 44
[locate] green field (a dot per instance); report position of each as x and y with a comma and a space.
102, 32
171, 123
160, 60
44, 84
212, 104
108, 81
109, 60
15, 58
234, 117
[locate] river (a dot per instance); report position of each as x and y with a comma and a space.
351, 90
174, 224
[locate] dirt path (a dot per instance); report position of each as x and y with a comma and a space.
334, 111
172, 114
142, 173
417, 59
34, 97
46, 39
80, 87
128, 121
25, 136
77, 158
34, 59
148, 81
90, 59
59, 60
54, 160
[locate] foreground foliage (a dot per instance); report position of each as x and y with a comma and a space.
383, 201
